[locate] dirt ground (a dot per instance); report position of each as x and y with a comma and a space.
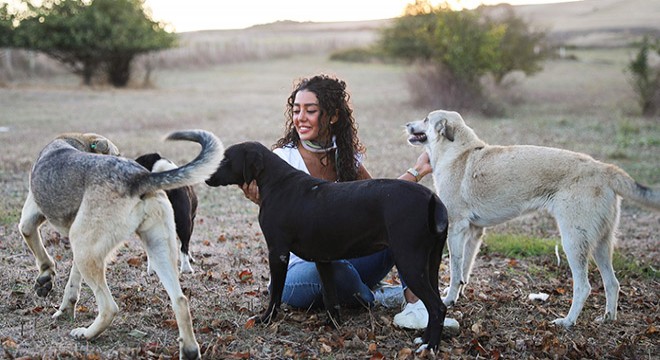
229, 284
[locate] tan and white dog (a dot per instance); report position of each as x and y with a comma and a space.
484, 185
98, 201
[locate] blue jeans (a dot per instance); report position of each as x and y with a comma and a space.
354, 279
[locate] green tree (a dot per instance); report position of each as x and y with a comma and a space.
6, 27
93, 36
645, 79
462, 46
520, 47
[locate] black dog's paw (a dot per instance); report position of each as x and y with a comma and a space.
43, 286
265, 318
333, 319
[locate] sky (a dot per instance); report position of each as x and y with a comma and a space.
192, 15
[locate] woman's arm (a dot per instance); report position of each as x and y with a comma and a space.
421, 168
362, 173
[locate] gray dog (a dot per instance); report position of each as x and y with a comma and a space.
323, 221
98, 201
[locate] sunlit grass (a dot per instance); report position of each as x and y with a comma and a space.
518, 245
521, 246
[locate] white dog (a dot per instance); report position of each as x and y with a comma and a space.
484, 185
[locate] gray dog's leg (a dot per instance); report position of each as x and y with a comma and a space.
157, 232
71, 294
31, 220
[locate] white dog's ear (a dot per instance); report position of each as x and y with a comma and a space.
444, 129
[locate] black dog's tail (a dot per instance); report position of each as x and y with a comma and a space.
438, 222
191, 173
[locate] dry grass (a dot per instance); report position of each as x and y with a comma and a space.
582, 105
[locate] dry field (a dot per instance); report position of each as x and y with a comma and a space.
584, 105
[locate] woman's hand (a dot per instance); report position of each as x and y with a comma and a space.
421, 168
423, 164
251, 192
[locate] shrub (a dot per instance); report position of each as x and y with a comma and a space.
645, 77
457, 48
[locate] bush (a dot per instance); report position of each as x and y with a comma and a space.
361, 55
457, 48
645, 77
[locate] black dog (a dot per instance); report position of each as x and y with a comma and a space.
184, 204
322, 221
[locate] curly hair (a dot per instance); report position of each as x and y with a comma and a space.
333, 99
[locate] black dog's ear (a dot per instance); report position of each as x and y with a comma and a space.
254, 164
445, 130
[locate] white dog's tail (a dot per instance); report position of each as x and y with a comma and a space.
196, 171
627, 187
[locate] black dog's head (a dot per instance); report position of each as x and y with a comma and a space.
242, 163
148, 160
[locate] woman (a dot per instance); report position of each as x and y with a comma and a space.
321, 139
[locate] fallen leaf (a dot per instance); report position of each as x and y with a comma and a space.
249, 324
325, 349
404, 354
245, 276
137, 333
171, 323
135, 261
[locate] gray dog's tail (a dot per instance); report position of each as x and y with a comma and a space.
627, 187
196, 171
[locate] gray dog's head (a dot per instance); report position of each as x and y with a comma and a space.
90, 142
242, 163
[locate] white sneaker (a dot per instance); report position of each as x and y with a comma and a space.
413, 316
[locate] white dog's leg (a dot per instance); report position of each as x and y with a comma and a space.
576, 249
157, 232
455, 241
603, 257
473, 237
71, 294
31, 220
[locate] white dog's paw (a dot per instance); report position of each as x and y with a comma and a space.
608, 317
185, 265
150, 270
563, 322
65, 314
79, 333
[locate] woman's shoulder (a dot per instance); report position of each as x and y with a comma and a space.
286, 151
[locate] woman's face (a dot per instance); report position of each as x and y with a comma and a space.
307, 116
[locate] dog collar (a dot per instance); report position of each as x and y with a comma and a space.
315, 147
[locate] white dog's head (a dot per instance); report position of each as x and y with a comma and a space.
439, 125
442, 130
